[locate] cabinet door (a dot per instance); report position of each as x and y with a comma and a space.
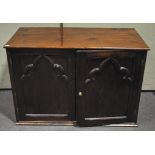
44, 84
105, 84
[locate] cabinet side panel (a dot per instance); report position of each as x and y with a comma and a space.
12, 83
135, 92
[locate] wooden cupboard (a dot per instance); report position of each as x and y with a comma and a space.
78, 76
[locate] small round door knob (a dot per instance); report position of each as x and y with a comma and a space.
80, 93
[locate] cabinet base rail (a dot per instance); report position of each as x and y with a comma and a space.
44, 123
71, 123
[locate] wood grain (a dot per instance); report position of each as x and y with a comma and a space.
76, 76
77, 38
109, 95
44, 92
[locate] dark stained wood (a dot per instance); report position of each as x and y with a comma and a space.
44, 88
79, 38
76, 76
109, 84
136, 86
13, 84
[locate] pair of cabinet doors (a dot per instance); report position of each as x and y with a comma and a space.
90, 87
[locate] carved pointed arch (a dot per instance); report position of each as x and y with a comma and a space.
122, 71
30, 68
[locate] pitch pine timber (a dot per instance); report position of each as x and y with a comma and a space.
80, 38
76, 76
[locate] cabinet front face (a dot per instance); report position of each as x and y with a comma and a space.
105, 83
44, 84
94, 87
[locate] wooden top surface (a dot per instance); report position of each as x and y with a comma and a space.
77, 38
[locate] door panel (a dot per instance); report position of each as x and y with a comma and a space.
104, 87
45, 81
